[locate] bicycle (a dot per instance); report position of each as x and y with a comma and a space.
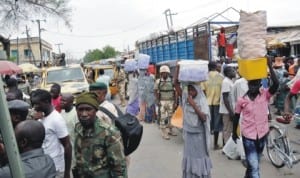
279, 149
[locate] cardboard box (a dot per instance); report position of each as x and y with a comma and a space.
252, 69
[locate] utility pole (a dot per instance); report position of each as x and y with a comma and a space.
29, 47
169, 15
40, 40
58, 45
18, 50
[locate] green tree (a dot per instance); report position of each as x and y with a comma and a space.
93, 55
109, 52
97, 54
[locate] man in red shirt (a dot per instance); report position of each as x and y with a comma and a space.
254, 125
222, 43
55, 96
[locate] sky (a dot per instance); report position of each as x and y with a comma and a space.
120, 23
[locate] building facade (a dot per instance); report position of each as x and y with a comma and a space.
27, 50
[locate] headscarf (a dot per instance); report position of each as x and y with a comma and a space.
190, 116
88, 98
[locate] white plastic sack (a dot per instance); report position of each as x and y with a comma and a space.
233, 150
143, 61
252, 34
193, 70
130, 65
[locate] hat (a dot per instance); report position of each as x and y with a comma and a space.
164, 68
88, 98
18, 105
97, 86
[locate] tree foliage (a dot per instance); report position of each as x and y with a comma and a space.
97, 54
15, 12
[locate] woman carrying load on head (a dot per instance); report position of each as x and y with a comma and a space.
196, 162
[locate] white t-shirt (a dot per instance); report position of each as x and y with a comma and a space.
71, 120
240, 87
56, 128
227, 86
109, 106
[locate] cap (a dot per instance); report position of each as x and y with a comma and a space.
88, 98
97, 86
18, 105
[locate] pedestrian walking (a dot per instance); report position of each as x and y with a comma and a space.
212, 88
254, 125
226, 104
166, 99
133, 102
196, 162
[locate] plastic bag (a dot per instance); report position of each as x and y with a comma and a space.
143, 61
233, 150
193, 71
130, 65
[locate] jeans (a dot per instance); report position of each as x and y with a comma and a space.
253, 151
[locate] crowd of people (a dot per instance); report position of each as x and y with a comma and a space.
62, 135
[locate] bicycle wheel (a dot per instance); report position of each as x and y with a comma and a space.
275, 141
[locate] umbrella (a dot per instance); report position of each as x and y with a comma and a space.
7, 67
27, 67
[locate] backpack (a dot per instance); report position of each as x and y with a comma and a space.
130, 128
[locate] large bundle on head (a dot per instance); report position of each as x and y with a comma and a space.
252, 46
143, 61
252, 33
193, 70
130, 65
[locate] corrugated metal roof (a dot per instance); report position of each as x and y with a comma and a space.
286, 36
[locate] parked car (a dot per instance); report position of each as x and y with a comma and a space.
71, 79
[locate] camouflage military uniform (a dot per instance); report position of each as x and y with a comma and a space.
166, 92
99, 152
121, 79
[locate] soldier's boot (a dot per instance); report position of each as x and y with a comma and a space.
164, 134
171, 132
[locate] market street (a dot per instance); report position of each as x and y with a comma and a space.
158, 158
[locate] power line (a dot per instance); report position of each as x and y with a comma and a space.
104, 35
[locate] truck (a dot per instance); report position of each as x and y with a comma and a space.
194, 42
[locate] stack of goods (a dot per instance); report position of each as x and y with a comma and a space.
193, 70
143, 61
251, 43
214, 48
130, 65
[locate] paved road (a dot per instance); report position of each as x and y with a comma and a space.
159, 158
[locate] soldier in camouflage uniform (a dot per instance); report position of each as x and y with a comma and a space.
165, 94
120, 79
98, 146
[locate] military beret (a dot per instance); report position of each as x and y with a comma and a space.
89, 98
97, 86
18, 105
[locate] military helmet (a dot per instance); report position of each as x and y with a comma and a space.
164, 68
